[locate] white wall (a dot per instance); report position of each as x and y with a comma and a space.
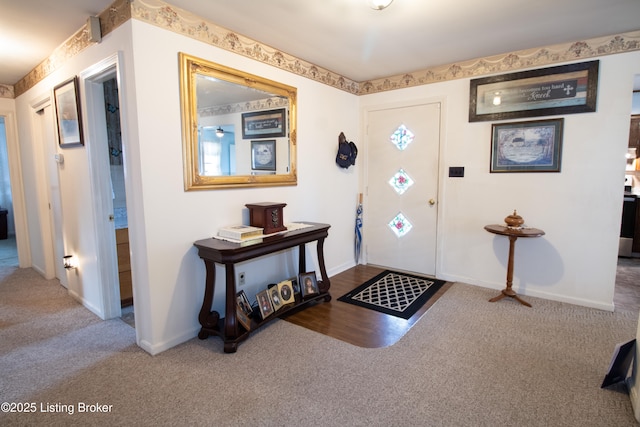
164, 220
173, 219
579, 208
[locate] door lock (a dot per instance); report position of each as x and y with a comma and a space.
432, 202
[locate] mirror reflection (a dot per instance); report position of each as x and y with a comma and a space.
238, 129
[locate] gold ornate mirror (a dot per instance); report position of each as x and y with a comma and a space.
238, 130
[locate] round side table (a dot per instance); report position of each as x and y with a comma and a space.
512, 233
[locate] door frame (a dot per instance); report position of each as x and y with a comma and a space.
17, 189
91, 82
365, 110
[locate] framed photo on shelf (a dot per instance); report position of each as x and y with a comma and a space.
309, 284
276, 300
564, 89
285, 288
243, 303
295, 285
264, 124
534, 146
264, 304
263, 155
68, 118
243, 318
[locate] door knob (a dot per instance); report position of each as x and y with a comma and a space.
432, 202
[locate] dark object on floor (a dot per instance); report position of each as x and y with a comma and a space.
4, 232
394, 293
620, 362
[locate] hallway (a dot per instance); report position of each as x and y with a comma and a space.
627, 294
8, 252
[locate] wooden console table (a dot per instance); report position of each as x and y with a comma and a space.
214, 251
512, 233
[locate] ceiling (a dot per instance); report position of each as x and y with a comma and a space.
343, 36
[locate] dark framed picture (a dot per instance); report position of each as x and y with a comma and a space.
295, 286
527, 146
308, 284
243, 303
263, 155
285, 288
264, 304
264, 124
565, 89
67, 103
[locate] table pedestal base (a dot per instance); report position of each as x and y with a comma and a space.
511, 294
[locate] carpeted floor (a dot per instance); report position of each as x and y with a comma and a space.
483, 365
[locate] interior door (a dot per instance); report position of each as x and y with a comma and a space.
402, 186
49, 148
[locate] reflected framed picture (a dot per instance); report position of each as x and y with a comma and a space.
67, 104
263, 155
309, 284
264, 124
564, 89
534, 146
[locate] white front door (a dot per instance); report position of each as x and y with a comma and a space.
402, 187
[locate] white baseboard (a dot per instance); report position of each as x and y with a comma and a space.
154, 349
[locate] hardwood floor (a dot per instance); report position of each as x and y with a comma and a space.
356, 325
367, 328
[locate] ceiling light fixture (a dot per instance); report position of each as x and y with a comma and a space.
219, 132
379, 4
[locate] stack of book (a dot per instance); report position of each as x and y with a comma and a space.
240, 232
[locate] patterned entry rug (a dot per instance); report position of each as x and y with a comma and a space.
394, 293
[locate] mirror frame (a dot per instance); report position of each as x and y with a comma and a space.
190, 68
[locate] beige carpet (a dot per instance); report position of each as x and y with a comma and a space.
467, 362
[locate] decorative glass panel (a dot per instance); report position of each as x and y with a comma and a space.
402, 137
400, 225
401, 181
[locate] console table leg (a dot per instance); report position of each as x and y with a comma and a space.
230, 322
208, 319
326, 284
302, 259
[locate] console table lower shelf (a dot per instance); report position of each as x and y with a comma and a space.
214, 251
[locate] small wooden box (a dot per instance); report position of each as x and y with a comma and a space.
267, 215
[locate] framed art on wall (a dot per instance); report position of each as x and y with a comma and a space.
263, 155
68, 118
264, 124
527, 146
565, 89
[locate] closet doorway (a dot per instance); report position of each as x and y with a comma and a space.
107, 156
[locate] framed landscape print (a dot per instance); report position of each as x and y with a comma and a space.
565, 89
527, 146
68, 118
